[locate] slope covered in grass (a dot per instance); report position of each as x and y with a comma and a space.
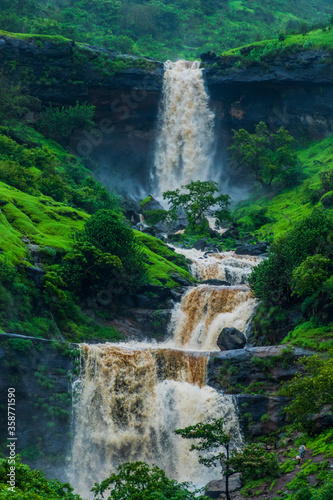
162, 29
291, 205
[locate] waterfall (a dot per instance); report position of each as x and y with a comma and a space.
129, 402
185, 140
129, 398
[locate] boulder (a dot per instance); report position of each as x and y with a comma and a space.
230, 339
200, 244
215, 489
248, 249
152, 204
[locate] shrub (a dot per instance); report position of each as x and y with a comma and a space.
60, 123
254, 462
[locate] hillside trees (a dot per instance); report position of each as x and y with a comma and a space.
105, 255
309, 392
266, 156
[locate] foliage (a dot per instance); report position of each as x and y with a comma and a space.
14, 103
265, 155
60, 123
311, 391
197, 199
32, 484
271, 280
254, 462
138, 481
209, 436
309, 276
164, 29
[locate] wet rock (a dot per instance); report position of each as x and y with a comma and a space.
214, 282
231, 339
152, 204
131, 209
179, 279
215, 489
200, 244
248, 249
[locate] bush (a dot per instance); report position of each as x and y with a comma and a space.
105, 251
60, 123
309, 276
254, 462
271, 280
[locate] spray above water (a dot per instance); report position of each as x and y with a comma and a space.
185, 140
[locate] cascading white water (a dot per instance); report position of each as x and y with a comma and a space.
129, 402
185, 140
130, 398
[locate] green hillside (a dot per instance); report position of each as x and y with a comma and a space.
163, 29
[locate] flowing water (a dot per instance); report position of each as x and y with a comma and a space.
130, 398
185, 140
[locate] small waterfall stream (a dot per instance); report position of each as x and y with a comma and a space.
131, 397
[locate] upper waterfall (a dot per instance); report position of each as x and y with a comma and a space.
185, 139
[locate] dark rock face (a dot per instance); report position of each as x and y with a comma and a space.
257, 382
254, 250
126, 97
38, 371
215, 489
231, 339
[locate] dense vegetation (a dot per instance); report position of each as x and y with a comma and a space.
163, 29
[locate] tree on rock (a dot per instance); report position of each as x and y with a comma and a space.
253, 462
198, 199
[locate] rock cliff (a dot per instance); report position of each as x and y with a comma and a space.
294, 90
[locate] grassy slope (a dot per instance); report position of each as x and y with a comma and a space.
317, 39
48, 223
292, 204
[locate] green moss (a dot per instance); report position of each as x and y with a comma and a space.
36, 38
40, 219
162, 262
311, 336
145, 201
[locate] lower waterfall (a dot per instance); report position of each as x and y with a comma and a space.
129, 398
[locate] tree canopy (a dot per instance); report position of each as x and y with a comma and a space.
198, 199
266, 156
139, 481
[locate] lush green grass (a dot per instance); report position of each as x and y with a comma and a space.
39, 218
265, 49
311, 336
293, 204
162, 262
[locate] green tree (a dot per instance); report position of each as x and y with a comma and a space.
309, 276
211, 436
138, 481
32, 484
263, 154
14, 103
310, 391
254, 462
60, 123
105, 242
198, 199
271, 280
